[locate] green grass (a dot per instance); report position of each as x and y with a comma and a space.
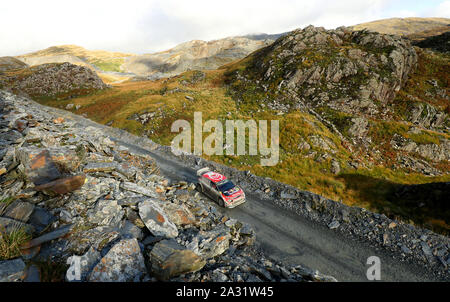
108, 65
11, 242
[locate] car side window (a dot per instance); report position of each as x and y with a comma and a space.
213, 185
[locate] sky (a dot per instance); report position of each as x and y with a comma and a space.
145, 26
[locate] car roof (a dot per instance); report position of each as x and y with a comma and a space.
214, 176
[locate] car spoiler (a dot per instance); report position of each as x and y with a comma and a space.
202, 171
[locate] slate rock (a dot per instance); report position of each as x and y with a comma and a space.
106, 212
60, 232
100, 167
33, 274
129, 186
156, 220
210, 244
123, 263
19, 210
180, 215
12, 270
40, 219
130, 230
169, 259
63, 185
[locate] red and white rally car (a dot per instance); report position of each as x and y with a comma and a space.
219, 188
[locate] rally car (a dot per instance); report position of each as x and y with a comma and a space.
219, 188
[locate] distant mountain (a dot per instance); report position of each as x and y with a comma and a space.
105, 63
100, 59
403, 26
196, 54
190, 55
206, 55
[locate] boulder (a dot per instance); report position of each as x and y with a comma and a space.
123, 263
180, 215
156, 220
210, 244
168, 259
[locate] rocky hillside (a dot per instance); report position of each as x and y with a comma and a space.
70, 193
52, 80
353, 72
193, 55
349, 81
403, 26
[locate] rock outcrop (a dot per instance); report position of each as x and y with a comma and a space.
353, 72
52, 80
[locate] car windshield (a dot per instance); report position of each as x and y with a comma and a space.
225, 185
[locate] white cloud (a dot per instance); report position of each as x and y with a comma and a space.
142, 26
442, 10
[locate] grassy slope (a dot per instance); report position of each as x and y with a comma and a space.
365, 187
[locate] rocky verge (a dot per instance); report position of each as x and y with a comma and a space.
82, 200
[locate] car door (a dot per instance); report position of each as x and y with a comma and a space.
214, 191
209, 189
205, 185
